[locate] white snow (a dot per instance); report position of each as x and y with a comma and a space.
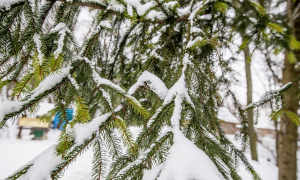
193, 42
43, 164
62, 30
179, 91
284, 86
15, 153
155, 15
99, 81
170, 4
58, 27
50, 81
195, 11
38, 43
206, 17
7, 3
69, 129
44, 108
153, 53
185, 161
7, 107
264, 122
106, 97
129, 10
141, 9
84, 24
73, 82
116, 6
179, 88
152, 173
155, 84
266, 165
196, 30
83, 131
105, 24
154, 116
268, 96
183, 11
225, 115
102, 81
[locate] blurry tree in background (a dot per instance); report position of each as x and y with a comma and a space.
247, 58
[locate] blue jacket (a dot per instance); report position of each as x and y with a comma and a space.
56, 121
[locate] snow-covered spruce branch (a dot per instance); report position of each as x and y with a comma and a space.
82, 135
175, 125
140, 161
34, 96
237, 155
269, 96
59, 163
140, 13
134, 167
120, 123
71, 157
46, 87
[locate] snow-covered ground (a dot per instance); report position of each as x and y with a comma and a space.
14, 153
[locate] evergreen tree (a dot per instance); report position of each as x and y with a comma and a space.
150, 64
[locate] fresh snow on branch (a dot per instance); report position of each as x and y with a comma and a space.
106, 96
105, 24
185, 161
102, 81
183, 11
269, 96
7, 107
43, 164
84, 131
153, 14
73, 82
62, 30
7, 3
192, 43
38, 43
179, 88
141, 8
155, 84
115, 6
196, 30
50, 81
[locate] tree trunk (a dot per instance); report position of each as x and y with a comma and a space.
252, 133
276, 134
277, 140
287, 157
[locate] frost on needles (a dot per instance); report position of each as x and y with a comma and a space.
149, 64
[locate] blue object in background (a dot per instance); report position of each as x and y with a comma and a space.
56, 120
